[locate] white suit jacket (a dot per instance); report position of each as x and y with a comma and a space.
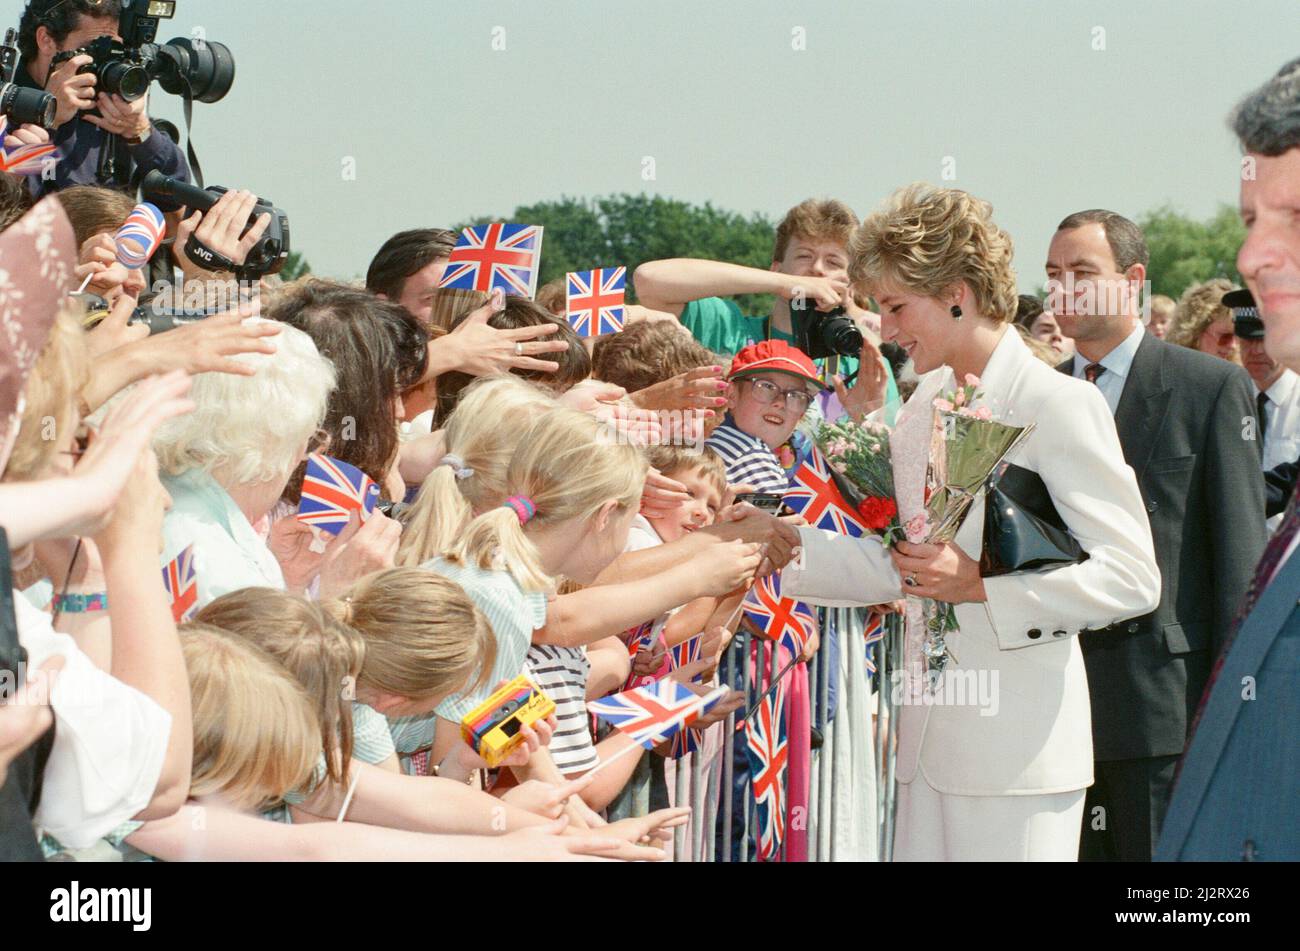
1034, 734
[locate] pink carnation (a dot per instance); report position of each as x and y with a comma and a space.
917, 528
984, 413
943, 405
972, 380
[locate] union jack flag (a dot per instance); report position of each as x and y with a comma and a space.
875, 632
182, 585
789, 622
767, 751
24, 159
814, 495
332, 490
655, 712
687, 652
495, 255
594, 301
640, 638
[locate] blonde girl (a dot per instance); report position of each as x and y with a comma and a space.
256, 740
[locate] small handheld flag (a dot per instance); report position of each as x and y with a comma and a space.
687, 652
594, 301
767, 750
496, 255
789, 622
875, 631
655, 712
182, 585
140, 235
814, 495
332, 490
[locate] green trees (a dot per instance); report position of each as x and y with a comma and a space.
1185, 251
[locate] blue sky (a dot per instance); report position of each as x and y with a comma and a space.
1012, 98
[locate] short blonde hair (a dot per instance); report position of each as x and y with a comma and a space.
255, 736
484, 431
52, 393
1163, 304
927, 240
324, 657
669, 459
568, 465
1200, 306
252, 428
425, 639
816, 219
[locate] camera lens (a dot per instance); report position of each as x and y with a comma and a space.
27, 105
841, 335
128, 80
207, 68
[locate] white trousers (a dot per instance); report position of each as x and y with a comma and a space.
938, 827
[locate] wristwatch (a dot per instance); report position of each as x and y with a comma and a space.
140, 139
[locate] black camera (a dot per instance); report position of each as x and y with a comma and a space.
159, 320
824, 333
198, 70
265, 257
21, 105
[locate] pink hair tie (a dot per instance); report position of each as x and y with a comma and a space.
523, 507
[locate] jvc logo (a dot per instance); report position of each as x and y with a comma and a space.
103, 905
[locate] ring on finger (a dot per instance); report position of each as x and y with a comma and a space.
910, 580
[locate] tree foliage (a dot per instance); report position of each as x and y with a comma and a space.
630, 229
1185, 251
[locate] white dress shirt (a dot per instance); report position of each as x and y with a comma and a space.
1282, 434
1118, 363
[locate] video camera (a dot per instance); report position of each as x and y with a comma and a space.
266, 257
199, 70
824, 333
21, 105
158, 321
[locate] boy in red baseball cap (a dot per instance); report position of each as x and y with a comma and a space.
772, 386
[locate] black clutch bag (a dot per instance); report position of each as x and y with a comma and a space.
1022, 529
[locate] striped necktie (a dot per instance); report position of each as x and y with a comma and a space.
1092, 371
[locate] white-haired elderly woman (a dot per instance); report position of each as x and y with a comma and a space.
227, 463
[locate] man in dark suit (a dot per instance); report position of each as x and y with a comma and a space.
1235, 797
1185, 422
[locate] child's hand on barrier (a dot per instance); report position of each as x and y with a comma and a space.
545, 799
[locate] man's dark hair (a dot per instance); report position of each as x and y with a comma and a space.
377, 349
1267, 122
405, 254
1127, 245
61, 18
1028, 309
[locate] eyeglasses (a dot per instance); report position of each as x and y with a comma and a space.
766, 391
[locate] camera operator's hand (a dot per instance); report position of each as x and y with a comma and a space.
867, 393
824, 293
130, 120
74, 91
219, 229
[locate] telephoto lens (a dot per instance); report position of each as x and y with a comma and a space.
27, 106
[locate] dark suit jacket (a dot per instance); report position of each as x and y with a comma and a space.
1180, 421
1236, 794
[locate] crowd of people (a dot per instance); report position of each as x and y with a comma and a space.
570, 508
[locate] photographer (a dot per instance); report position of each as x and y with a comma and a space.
809, 267
50, 27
